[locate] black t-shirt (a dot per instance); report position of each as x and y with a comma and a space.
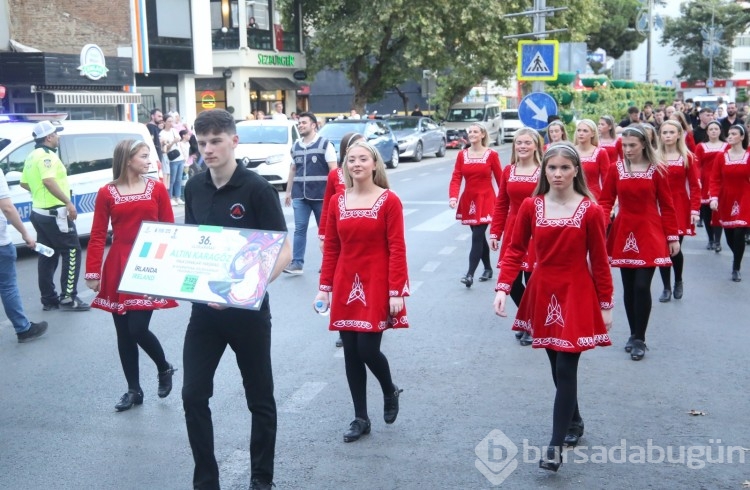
246, 201
154, 130
725, 124
699, 134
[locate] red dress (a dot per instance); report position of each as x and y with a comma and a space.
680, 179
614, 150
706, 157
478, 199
126, 214
730, 184
364, 264
562, 305
513, 190
595, 168
334, 185
645, 222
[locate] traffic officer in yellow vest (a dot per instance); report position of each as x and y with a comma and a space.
53, 217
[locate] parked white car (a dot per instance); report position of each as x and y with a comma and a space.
266, 148
510, 124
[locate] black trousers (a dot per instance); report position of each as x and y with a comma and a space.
132, 331
68, 247
248, 333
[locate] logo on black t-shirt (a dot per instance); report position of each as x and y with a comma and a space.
237, 211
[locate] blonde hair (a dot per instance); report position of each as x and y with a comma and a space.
378, 175
562, 128
650, 154
538, 141
594, 130
124, 152
485, 135
680, 145
567, 151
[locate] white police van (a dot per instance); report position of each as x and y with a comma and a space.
86, 149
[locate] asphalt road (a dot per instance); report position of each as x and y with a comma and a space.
464, 378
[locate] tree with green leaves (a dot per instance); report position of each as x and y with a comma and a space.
616, 33
684, 33
380, 44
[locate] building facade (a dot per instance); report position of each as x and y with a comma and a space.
175, 55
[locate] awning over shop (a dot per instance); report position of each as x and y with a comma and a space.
273, 84
94, 98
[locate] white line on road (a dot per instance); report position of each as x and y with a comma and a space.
430, 266
414, 285
463, 237
300, 398
407, 179
424, 174
339, 353
407, 212
446, 250
440, 222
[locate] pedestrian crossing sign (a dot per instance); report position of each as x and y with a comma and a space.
537, 60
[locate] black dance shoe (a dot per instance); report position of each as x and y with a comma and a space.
357, 429
575, 431
717, 247
519, 334
390, 406
486, 275
165, 382
736, 277
526, 339
666, 296
678, 290
639, 350
129, 399
552, 461
710, 245
339, 341
629, 344
468, 280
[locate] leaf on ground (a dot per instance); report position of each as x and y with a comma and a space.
697, 412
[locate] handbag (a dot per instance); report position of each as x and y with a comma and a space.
173, 154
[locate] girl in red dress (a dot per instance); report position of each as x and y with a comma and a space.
705, 155
682, 174
364, 277
517, 183
608, 138
594, 160
730, 194
334, 185
568, 303
125, 202
556, 132
477, 164
644, 233
686, 129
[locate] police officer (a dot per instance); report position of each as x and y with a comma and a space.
230, 195
312, 158
53, 217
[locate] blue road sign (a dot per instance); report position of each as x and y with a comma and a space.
535, 108
537, 60
710, 83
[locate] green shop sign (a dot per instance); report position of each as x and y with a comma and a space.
276, 60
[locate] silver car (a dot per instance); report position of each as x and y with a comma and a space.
417, 136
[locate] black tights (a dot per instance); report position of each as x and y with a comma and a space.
678, 262
362, 349
517, 288
714, 232
636, 285
132, 331
480, 249
736, 242
565, 375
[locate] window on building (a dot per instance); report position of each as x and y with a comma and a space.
742, 41
742, 66
225, 25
